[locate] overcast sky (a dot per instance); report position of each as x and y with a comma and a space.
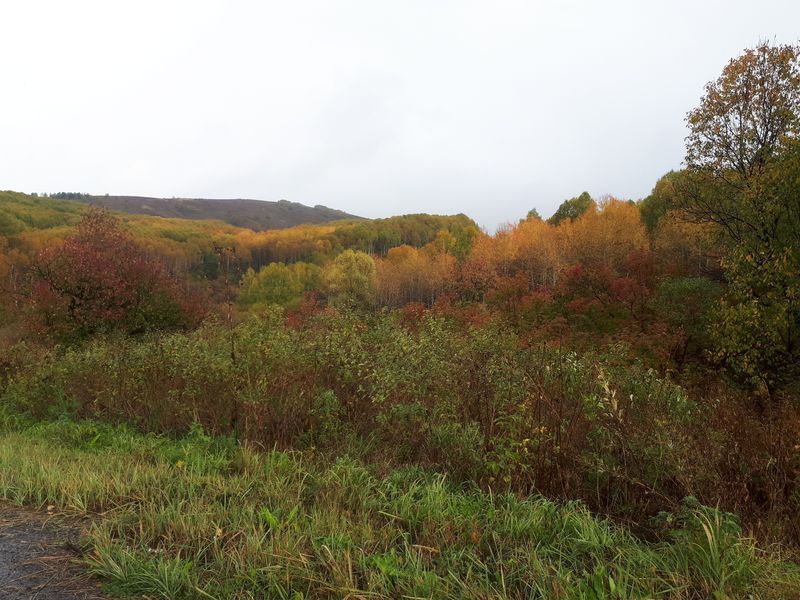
374, 107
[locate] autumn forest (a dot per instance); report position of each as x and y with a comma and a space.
604, 403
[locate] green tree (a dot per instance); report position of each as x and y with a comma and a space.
273, 284
748, 114
661, 200
352, 280
758, 323
533, 214
743, 158
278, 283
748, 118
685, 303
572, 209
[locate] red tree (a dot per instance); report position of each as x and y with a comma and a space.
100, 279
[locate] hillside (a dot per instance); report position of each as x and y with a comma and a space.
257, 215
31, 223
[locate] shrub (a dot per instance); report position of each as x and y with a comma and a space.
477, 403
101, 280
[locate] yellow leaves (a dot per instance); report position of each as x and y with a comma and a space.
408, 274
605, 236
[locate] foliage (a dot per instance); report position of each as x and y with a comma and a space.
101, 280
745, 159
478, 403
280, 284
351, 280
200, 517
748, 114
411, 275
572, 209
760, 317
533, 214
685, 305
574, 358
661, 200
185, 242
758, 322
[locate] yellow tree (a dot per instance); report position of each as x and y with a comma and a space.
537, 252
408, 274
351, 280
604, 235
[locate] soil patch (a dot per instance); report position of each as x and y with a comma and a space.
38, 556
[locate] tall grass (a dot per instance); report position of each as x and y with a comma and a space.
205, 517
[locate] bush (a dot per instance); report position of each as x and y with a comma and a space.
101, 280
476, 403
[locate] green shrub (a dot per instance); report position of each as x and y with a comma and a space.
476, 403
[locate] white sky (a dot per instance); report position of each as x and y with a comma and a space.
374, 107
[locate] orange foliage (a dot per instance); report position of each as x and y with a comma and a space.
686, 249
604, 236
411, 275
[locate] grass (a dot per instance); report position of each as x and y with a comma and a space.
202, 517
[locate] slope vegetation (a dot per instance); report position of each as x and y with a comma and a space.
253, 214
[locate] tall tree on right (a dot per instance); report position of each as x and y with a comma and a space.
748, 115
743, 175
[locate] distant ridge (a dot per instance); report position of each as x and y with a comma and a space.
253, 214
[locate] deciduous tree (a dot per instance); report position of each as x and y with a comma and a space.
100, 280
572, 209
743, 154
351, 280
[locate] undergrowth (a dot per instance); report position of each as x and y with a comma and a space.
480, 404
201, 516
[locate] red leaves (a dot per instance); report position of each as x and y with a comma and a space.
100, 280
297, 317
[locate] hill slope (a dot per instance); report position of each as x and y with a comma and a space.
253, 214
29, 223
